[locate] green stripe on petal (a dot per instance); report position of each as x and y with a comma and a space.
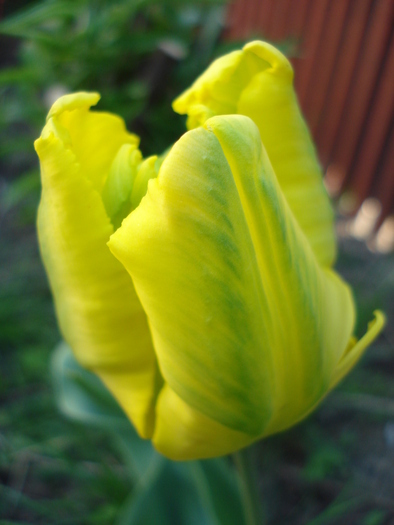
258, 82
314, 310
246, 326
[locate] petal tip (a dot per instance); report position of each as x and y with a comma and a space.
272, 55
375, 326
73, 101
356, 348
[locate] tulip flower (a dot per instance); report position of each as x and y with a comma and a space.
199, 287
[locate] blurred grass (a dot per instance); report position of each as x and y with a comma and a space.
139, 54
337, 467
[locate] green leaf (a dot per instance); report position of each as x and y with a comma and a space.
167, 492
193, 493
82, 396
18, 75
217, 484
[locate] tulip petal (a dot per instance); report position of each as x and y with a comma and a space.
356, 348
217, 90
146, 172
99, 313
96, 136
119, 184
257, 82
183, 433
246, 326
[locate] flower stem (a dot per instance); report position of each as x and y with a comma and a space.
246, 467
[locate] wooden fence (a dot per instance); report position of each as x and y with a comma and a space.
343, 55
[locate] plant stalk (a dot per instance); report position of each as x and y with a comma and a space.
247, 471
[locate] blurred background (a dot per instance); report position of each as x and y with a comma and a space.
338, 466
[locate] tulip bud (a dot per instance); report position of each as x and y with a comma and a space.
200, 288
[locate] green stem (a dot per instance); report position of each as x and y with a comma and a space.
248, 479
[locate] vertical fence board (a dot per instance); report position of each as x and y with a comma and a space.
251, 13
376, 130
279, 22
363, 84
385, 187
329, 122
310, 42
323, 68
297, 16
234, 21
264, 16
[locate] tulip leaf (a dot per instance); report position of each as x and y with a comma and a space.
171, 500
139, 455
82, 396
217, 484
196, 492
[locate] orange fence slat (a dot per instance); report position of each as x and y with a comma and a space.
329, 122
385, 188
279, 22
237, 23
232, 25
264, 15
297, 16
323, 68
310, 42
244, 17
363, 84
254, 15
376, 130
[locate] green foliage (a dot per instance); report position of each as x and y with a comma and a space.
324, 462
375, 517
139, 54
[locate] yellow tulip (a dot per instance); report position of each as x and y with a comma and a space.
200, 288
